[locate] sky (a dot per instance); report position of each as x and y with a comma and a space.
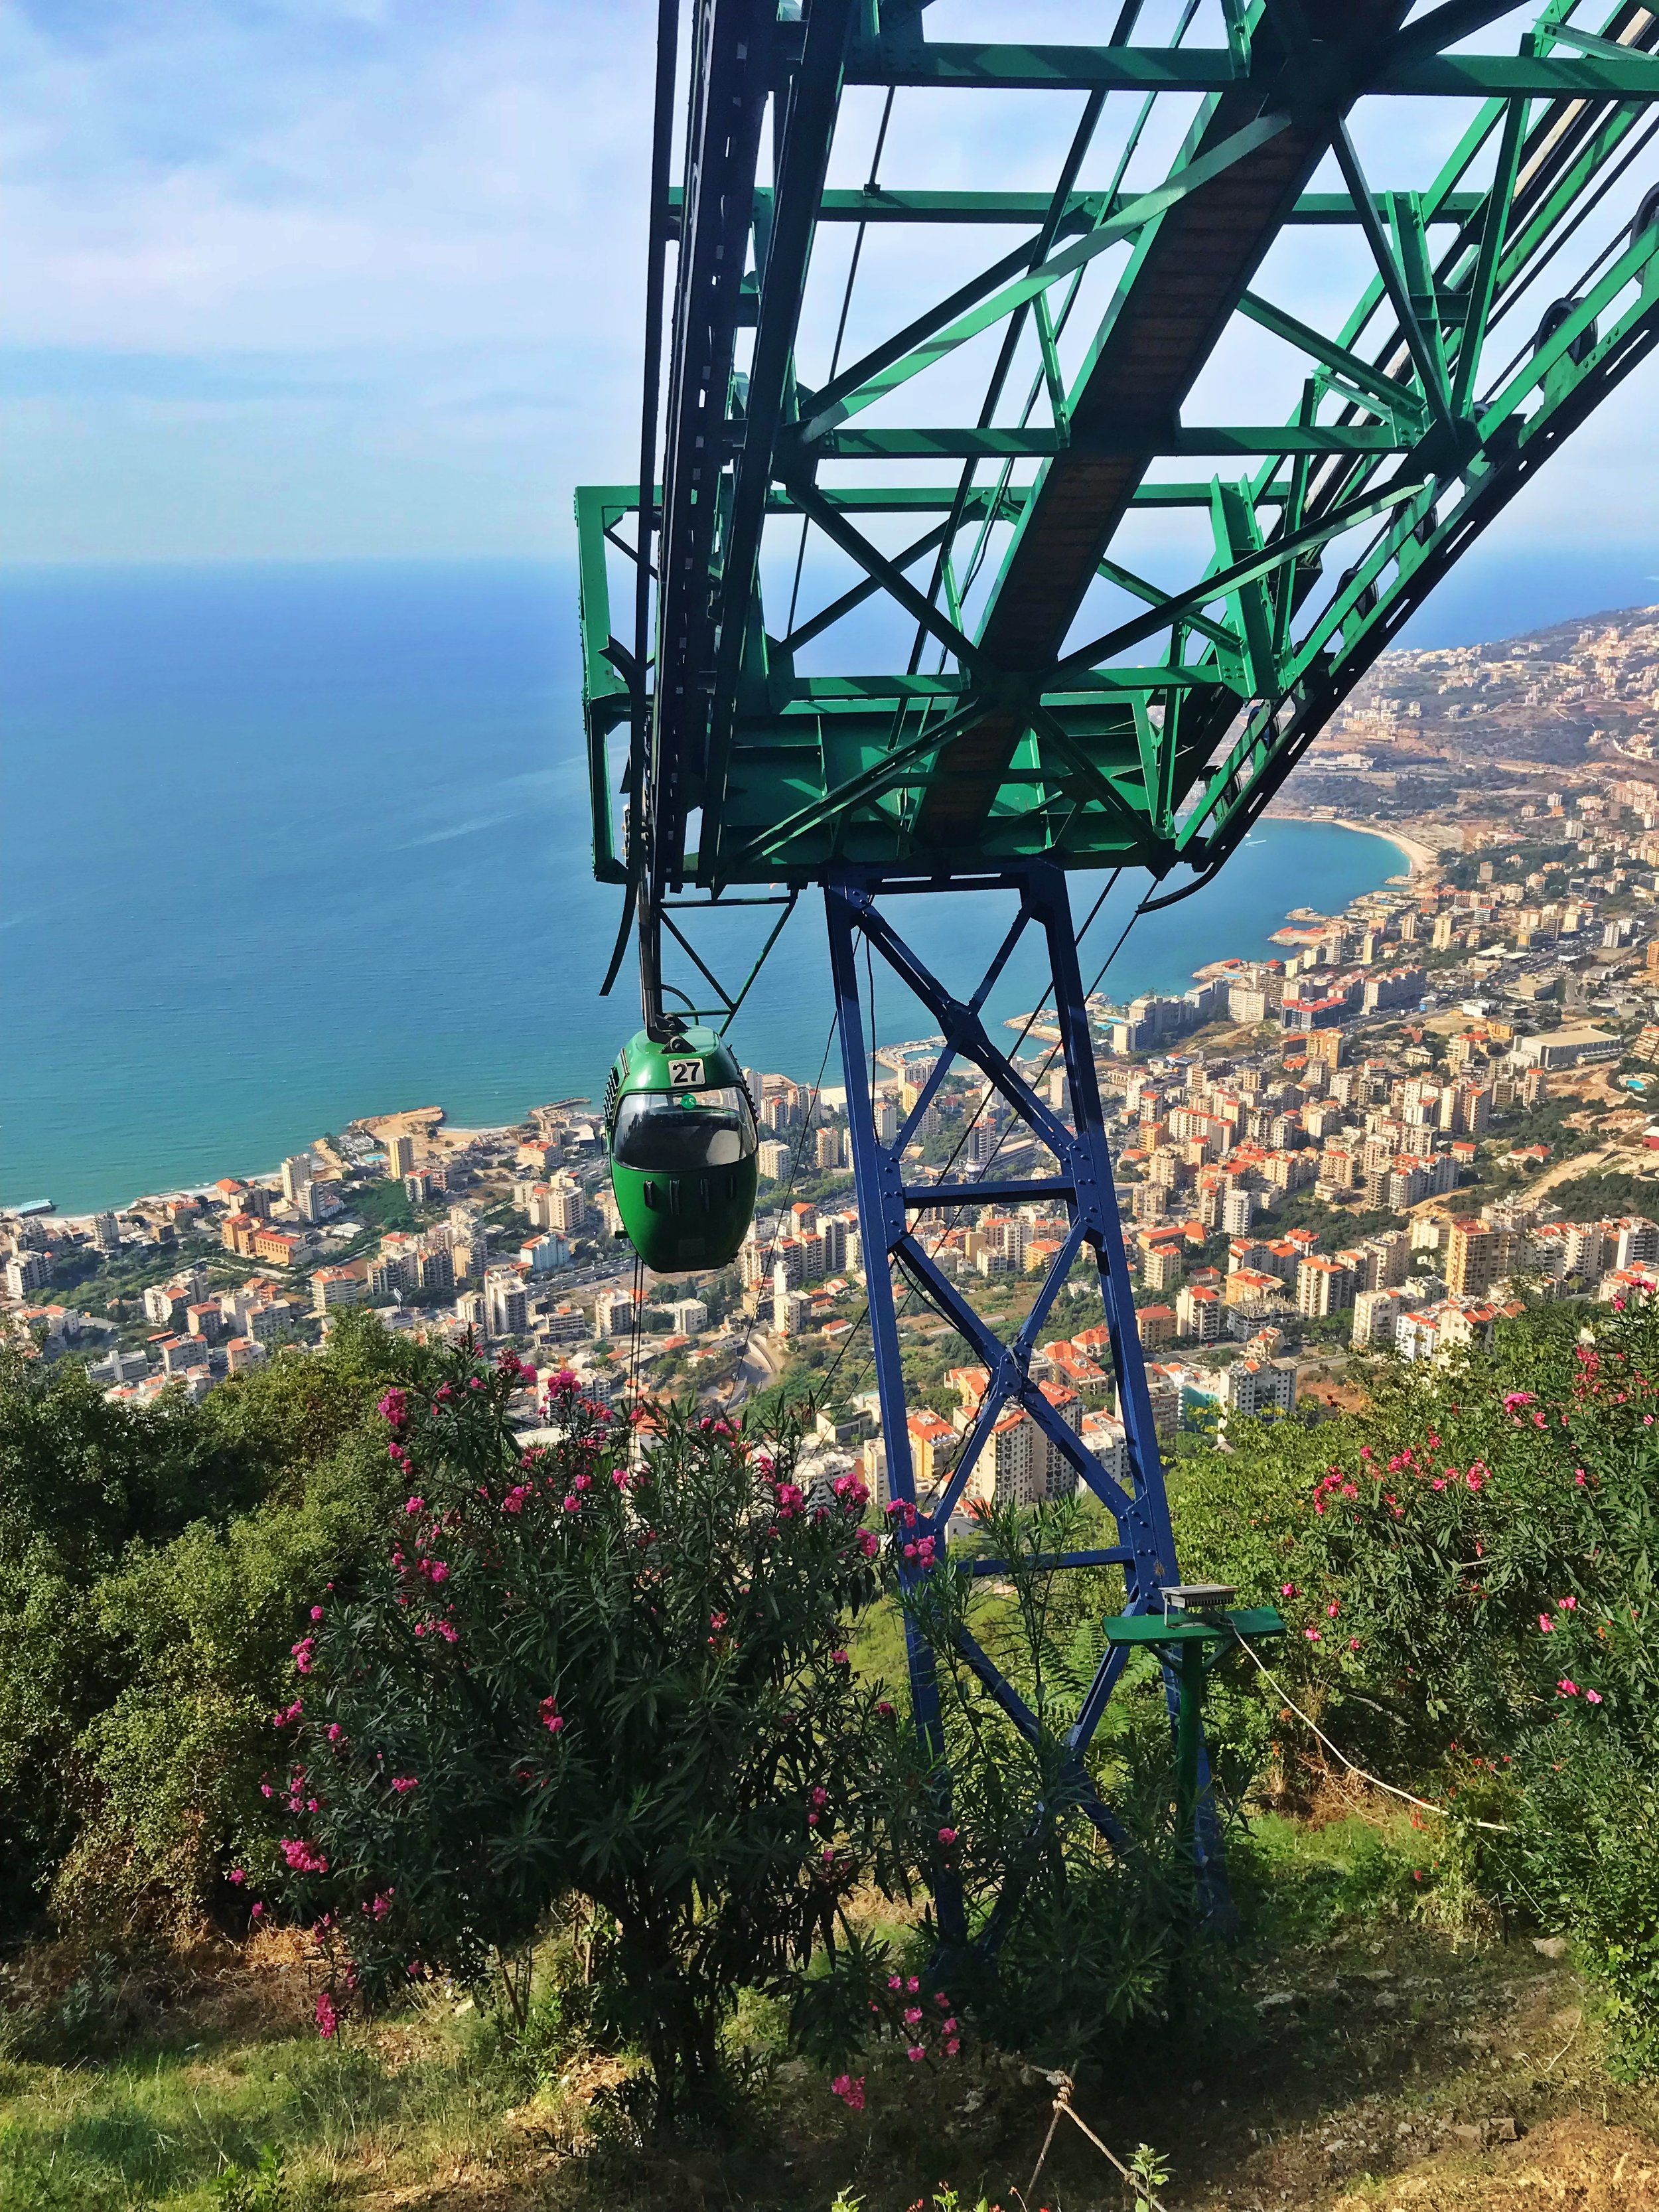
346, 278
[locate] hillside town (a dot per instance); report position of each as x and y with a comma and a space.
1346, 1150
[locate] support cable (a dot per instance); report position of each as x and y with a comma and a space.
933, 1250
1063, 2103
795, 1168
1440, 1812
869, 184
1619, 241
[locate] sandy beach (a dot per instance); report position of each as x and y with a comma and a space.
1424, 859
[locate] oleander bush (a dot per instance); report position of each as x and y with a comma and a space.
612, 1667
152, 1564
601, 1687
1467, 1575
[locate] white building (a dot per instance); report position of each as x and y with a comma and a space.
613, 1313
26, 1272
1261, 1386
1106, 1438
1237, 1212
690, 1316
507, 1306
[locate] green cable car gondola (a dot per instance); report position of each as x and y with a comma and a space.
679, 1129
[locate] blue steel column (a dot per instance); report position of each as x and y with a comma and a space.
1146, 1546
1152, 1540
880, 1193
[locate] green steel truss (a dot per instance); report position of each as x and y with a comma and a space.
900, 608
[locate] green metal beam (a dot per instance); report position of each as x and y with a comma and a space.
971, 65
1188, 442
886, 204
1033, 748
1396, 398
933, 337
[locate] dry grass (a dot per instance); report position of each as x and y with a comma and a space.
1387, 2065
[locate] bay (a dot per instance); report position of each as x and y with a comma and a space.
284, 846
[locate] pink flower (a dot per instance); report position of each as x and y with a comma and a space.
913, 1984
301, 1856
1287, 1589
552, 1719
1568, 1604
869, 1543
850, 2089
1592, 1697
403, 1784
238, 1876
328, 2019
951, 2047
257, 1911
416, 1505
838, 1659
316, 1613
1546, 1623
1312, 1635
912, 2014
883, 1709
820, 1798
1566, 1687
947, 1836
1333, 1609
915, 2053
894, 1981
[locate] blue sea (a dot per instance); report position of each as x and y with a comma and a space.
281, 845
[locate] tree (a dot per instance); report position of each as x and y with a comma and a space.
613, 1668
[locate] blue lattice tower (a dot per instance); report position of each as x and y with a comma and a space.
1082, 1182
981, 597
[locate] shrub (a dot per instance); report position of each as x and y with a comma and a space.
1080, 1943
1467, 1574
570, 1672
152, 1560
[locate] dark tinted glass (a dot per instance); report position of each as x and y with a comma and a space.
656, 1133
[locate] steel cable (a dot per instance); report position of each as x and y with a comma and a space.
847, 1342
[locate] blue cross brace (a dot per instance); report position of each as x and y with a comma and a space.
1083, 1184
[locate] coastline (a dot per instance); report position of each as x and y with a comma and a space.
1423, 860
1262, 887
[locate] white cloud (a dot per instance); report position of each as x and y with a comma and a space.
361, 275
